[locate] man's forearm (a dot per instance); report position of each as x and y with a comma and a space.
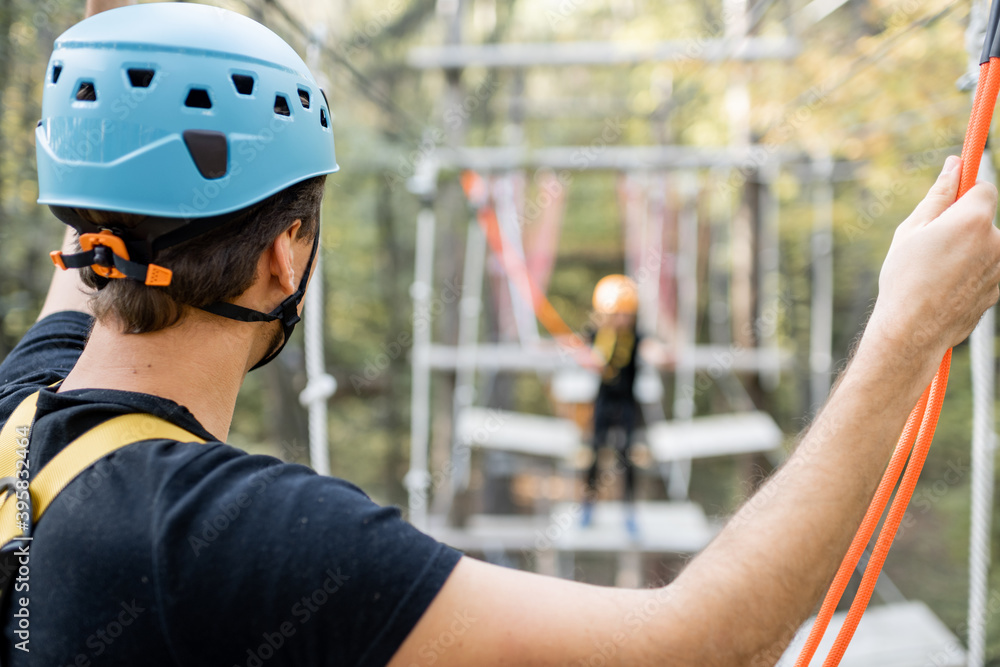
774, 559
744, 597
66, 291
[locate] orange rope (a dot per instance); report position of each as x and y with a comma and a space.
547, 315
868, 525
924, 415
544, 310
895, 516
979, 123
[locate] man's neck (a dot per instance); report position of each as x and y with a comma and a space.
198, 363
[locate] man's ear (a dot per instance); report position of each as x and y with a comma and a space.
282, 254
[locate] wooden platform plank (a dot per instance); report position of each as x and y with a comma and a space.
580, 385
905, 634
535, 435
575, 385
548, 359
664, 527
715, 435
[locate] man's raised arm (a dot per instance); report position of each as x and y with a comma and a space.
98, 6
740, 601
67, 291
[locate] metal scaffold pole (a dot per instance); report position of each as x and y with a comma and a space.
982, 362
418, 478
983, 444
470, 307
687, 324
821, 312
320, 385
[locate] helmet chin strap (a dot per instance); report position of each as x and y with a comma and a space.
287, 311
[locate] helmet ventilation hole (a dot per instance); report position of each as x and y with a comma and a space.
304, 98
86, 92
281, 106
198, 98
243, 83
56, 71
140, 78
322, 117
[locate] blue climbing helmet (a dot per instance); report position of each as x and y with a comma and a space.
185, 114
177, 110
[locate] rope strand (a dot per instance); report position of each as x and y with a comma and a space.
864, 534
922, 422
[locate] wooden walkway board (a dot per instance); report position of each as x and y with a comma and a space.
663, 528
488, 532
716, 435
905, 634
575, 385
579, 385
516, 432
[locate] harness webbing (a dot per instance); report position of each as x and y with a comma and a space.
68, 464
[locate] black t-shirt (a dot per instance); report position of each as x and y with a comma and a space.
168, 553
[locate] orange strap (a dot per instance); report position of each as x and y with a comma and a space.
544, 311
920, 426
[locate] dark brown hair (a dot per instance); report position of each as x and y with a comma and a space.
216, 266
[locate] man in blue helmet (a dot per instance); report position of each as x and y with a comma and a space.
197, 230
187, 147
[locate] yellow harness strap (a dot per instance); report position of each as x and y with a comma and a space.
604, 343
19, 422
76, 457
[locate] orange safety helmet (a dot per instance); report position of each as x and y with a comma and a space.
616, 294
